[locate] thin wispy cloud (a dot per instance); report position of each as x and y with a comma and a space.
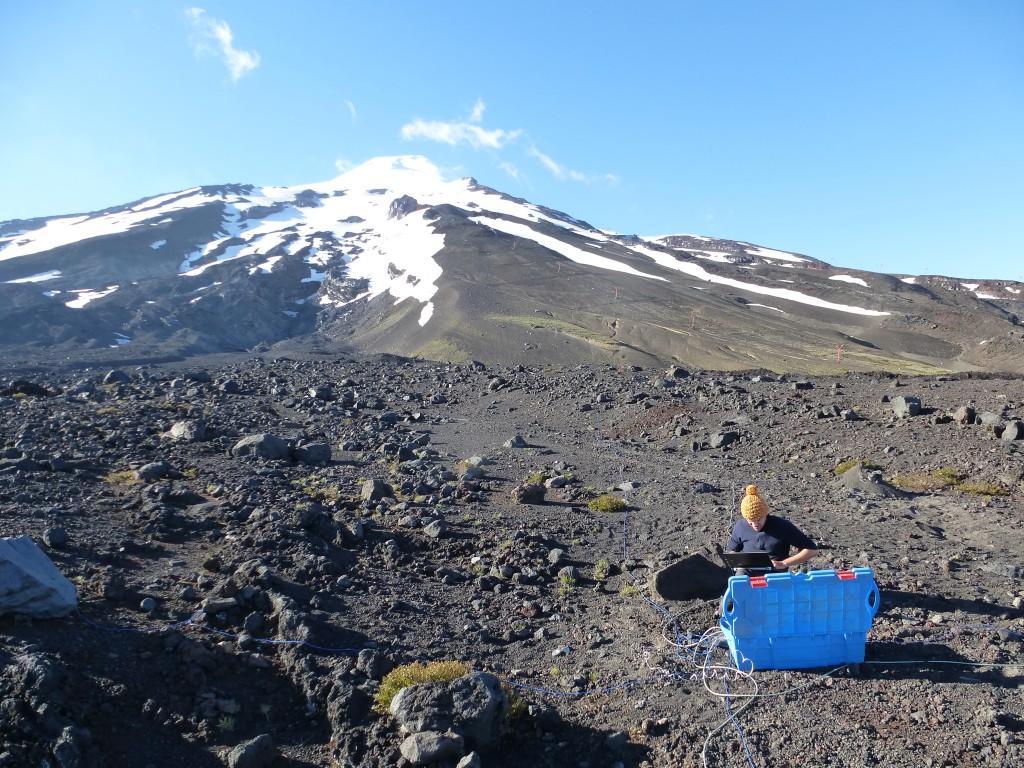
510, 169
478, 111
471, 132
460, 132
211, 36
557, 170
351, 108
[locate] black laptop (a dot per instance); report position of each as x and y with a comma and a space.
751, 560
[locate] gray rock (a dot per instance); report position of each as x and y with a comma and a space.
30, 584
1014, 430
55, 537
569, 573
262, 446
373, 663
187, 431
693, 577
260, 752
473, 706
516, 442
868, 483
722, 439
964, 415
988, 419
313, 453
116, 377
529, 493
426, 747
374, 490
905, 405
436, 528
157, 470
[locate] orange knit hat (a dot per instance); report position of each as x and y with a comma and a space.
753, 507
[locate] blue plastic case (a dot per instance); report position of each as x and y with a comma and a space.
797, 620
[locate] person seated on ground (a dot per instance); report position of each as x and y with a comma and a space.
759, 531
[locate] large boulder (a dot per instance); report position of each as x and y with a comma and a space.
692, 578
263, 446
188, 431
868, 482
905, 406
30, 584
473, 706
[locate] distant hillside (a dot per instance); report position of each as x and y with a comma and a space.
392, 258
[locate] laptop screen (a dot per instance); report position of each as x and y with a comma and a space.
748, 559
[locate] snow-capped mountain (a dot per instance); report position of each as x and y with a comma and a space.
392, 257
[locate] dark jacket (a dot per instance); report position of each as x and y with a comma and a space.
777, 536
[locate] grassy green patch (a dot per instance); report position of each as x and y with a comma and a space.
949, 479
124, 478
940, 479
415, 674
318, 488
606, 503
979, 488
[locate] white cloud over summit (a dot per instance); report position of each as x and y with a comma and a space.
460, 132
470, 132
214, 37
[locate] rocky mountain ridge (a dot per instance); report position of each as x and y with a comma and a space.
392, 258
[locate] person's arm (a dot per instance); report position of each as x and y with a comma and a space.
799, 558
735, 542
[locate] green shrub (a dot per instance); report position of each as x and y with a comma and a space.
979, 488
536, 477
123, 477
938, 480
517, 705
606, 503
566, 584
415, 674
602, 569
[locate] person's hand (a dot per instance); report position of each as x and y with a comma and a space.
778, 565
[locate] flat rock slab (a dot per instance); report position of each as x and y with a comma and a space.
30, 584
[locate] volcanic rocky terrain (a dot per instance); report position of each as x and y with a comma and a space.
255, 543
392, 258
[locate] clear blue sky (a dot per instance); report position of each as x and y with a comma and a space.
878, 134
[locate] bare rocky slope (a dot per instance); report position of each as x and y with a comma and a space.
241, 597
390, 258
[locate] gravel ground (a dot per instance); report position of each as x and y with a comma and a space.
230, 589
